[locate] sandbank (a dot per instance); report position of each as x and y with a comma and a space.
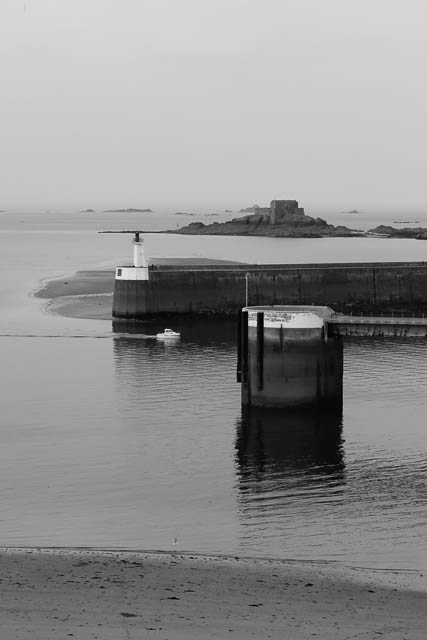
58, 593
84, 294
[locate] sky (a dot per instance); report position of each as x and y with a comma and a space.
216, 103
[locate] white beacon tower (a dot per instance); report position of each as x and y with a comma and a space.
139, 271
138, 251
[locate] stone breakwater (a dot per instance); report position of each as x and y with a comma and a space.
224, 290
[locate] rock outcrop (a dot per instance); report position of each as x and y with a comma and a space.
418, 233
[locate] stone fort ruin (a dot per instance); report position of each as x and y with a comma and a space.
277, 212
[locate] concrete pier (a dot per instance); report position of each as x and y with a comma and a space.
286, 358
143, 292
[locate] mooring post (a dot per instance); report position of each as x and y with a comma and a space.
239, 347
326, 331
244, 346
260, 350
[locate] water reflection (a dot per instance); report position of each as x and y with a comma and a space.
291, 477
169, 372
204, 332
278, 452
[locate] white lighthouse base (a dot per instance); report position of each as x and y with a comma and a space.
132, 273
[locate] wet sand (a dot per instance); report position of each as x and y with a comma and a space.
85, 294
93, 282
51, 594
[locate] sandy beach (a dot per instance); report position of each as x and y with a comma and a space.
51, 593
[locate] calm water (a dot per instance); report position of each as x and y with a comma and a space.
114, 440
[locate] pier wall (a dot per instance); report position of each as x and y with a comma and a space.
347, 287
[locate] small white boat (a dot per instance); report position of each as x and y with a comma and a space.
168, 334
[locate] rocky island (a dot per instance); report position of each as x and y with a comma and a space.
131, 210
283, 219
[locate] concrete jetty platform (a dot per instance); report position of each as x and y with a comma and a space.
292, 356
381, 326
286, 357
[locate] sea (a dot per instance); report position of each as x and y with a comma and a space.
113, 440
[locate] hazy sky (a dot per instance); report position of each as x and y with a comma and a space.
213, 102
